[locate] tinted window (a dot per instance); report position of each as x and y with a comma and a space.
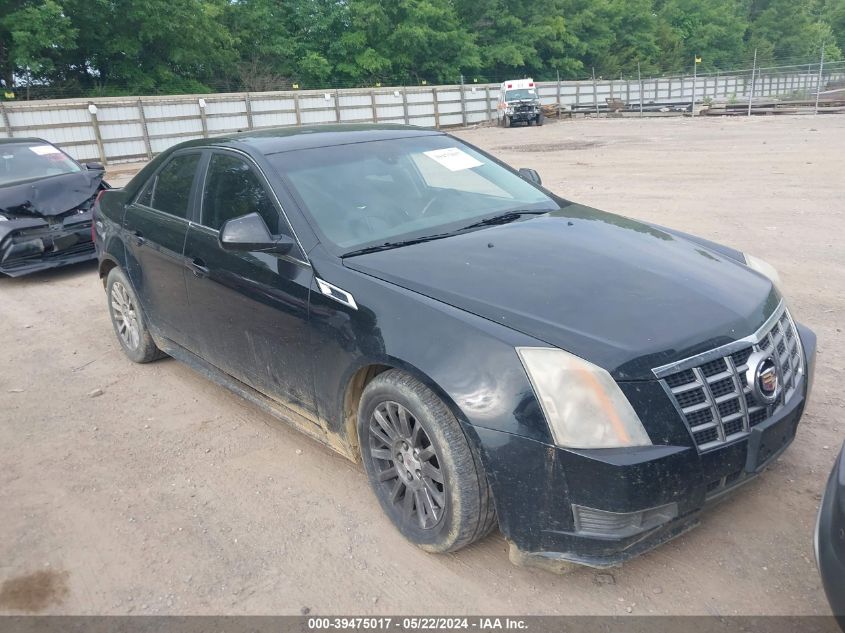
172, 188
146, 197
232, 189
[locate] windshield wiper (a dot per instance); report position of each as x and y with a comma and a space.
503, 218
388, 245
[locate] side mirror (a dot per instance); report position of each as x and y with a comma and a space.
94, 166
530, 175
250, 233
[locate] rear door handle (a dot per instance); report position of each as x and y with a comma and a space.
139, 237
198, 267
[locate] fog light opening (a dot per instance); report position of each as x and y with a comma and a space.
605, 524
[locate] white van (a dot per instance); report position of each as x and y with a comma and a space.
519, 102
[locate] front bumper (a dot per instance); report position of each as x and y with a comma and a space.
646, 495
523, 115
28, 245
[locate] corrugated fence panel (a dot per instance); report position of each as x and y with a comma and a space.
263, 104
356, 114
274, 119
227, 123
229, 106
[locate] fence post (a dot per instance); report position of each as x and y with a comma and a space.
436, 109
694, 82
558, 94
6, 123
373, 105
640, 81
595, 93
297, 111
753, 73
92, 110
819, 82
203, 120
463, 103
577, 94
143, 118
487, 102
248, 105
337, 105
405, 105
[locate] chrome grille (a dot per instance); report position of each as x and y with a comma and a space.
711, 390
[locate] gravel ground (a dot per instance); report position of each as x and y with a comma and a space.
148, 489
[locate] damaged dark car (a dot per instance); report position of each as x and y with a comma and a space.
495, 355
46, 199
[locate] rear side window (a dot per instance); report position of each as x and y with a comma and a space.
232, 189
171, 190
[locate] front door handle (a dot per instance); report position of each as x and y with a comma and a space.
139, 237
198, 267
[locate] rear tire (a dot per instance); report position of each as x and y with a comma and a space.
425, 475
128, 321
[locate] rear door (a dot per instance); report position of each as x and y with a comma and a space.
250, 308
156, 224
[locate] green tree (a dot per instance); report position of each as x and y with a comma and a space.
713, 29
32, 36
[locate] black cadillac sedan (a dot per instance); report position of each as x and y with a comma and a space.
495, 355
45, 206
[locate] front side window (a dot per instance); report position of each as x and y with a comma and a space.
366, 194
171, 190
233, 189
20, 162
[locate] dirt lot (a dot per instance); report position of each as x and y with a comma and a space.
167, 494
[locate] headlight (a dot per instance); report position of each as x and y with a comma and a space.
583, 405
762, 267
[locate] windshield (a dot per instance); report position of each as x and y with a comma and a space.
522, 93
27, 161
378, 192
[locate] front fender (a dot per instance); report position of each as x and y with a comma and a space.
470, 362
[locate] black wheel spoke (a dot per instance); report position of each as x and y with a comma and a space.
380, 435
420, 506
432, 473
426, 454
385, 424
405, 423
432, 490
397, 488
388, 474
382, 453
408, 505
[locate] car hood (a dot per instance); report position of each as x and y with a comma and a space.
49, 196
622, 294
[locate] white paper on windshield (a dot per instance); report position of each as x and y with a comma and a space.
43, 150
453, 159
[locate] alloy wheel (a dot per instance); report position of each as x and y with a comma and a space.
125, 316
407, 466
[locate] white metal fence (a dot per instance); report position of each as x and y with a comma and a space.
121, 129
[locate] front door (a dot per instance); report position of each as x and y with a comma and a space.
157, 223
250, 309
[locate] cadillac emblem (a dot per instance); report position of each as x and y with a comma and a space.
762, 377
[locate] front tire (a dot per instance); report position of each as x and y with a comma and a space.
540, 118
128, 319
506, 122
424, 473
